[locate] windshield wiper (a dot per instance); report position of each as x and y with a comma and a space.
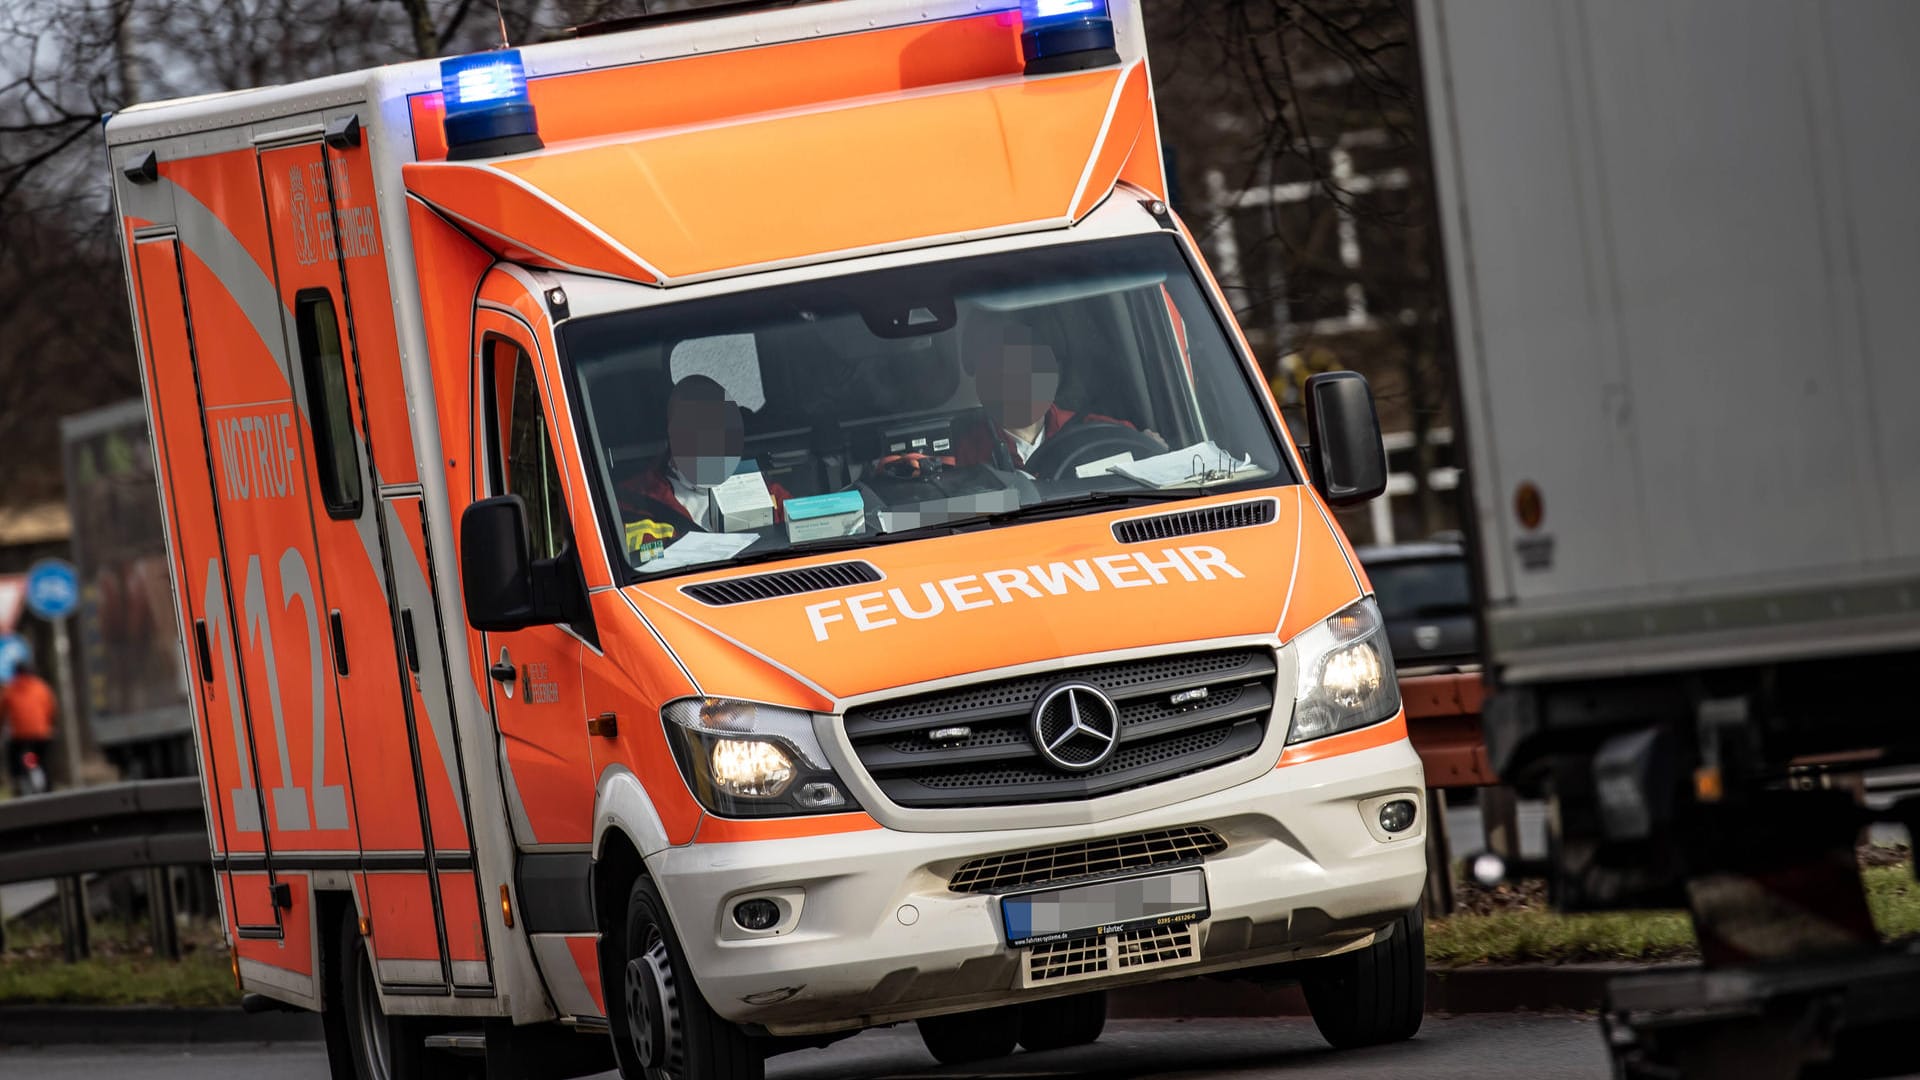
1064, 507
833, 543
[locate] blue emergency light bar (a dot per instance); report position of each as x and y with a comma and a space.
1066, 35
488, 112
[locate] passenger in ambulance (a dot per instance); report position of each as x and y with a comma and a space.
673, 495
1016, 377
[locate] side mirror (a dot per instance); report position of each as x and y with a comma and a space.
496, 567
1345, 455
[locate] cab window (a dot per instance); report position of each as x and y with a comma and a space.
523, 454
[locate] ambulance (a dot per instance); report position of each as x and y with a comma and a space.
697, 540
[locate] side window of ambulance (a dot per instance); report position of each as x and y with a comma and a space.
323, 367
526, 467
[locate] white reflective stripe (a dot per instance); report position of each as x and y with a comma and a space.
571, 997
279, 983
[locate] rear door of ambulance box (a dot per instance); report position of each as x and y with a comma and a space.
249, 588
242, 272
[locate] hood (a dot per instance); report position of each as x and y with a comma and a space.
978, 601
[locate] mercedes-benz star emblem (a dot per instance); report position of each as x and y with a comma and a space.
1076, 727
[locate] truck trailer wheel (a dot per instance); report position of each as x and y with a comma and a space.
960, 1038
662, 1027
378, 1046
1373, 995
1058, 1023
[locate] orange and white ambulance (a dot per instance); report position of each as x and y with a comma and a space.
731, 532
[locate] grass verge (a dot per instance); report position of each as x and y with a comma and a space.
1516, 928
202, 977
122, 969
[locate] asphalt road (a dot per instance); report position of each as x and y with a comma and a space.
1476, 1047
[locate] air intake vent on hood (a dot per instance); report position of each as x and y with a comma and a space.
1187, 522
742, 590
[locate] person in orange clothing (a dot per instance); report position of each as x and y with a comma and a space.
27, 710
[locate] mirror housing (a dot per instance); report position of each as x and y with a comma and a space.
505, 588
496, 567
1345, 455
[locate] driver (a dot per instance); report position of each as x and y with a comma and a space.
674, 494
1015, 377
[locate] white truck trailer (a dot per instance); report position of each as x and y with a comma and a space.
1682, 252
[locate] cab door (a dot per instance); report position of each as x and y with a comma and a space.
534, 673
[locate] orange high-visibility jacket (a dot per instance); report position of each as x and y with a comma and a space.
27, 707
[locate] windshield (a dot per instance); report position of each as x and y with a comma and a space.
967, 393
1426, 589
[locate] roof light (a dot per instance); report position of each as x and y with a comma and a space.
1066, 35
488, 112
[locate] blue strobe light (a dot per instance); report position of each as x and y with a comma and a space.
1066, 35
488, 112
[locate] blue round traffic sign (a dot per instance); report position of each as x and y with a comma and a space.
53, 589
13, 649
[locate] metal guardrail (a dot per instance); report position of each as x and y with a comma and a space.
149, 825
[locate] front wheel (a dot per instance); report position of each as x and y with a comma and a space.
964, 1038
1058, 1023
1373, 995
663, 1029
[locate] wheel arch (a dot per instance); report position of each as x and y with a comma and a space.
626, 829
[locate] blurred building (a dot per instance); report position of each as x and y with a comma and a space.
1295, 133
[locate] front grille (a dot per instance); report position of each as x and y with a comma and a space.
985, 755
741, 590
1238, 515
1093, 858
1089, 958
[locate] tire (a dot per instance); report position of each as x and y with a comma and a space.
963, 1038
1374, 995
696, 1043
377, 1046
333, 1008
1058, 1023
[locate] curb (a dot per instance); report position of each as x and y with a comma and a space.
63, 1025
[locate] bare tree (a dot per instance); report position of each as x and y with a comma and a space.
1298, 135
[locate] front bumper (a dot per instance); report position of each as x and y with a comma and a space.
874, 935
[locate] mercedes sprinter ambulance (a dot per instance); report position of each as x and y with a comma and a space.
697, 540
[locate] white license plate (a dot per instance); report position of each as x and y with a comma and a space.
1099, 908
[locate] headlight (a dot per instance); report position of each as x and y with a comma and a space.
1346, 674
744, 759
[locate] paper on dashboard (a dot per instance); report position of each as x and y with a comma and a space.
1202, 462
1102, 466
695, 548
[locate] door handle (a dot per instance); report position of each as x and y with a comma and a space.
503, 671
339, 643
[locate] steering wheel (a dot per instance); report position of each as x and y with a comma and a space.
1090, 441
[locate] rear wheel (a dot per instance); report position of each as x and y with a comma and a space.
1062, 1022
377, 1046
1373, 995
961, 1038
663, 1029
